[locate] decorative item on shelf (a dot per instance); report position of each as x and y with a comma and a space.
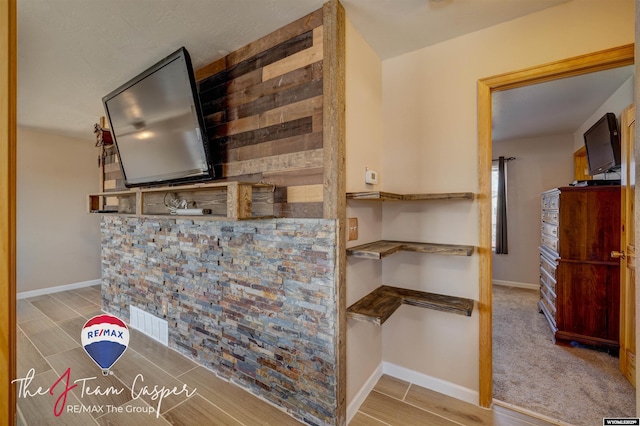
103, 136
183, 207
266, 182
173, 204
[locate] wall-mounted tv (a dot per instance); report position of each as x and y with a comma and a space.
157, 125
602, 142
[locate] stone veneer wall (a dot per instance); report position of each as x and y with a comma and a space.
254, 301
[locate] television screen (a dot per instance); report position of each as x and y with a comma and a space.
157, 125
602, 143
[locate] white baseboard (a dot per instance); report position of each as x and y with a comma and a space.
446, 388
517, 284
57, 289
362, 394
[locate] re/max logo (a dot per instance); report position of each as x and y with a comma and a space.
104, 332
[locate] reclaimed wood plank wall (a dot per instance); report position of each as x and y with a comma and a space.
112, 179
263, 111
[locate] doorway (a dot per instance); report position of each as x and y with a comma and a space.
584, 64
540, 126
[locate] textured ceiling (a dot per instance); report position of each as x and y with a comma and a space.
393, 27
73, 52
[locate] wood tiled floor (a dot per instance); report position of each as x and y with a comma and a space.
49, 343
396, 402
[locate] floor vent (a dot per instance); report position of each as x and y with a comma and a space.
152, 326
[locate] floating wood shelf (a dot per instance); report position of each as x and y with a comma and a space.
388, 196
377, 306
380, 249
226, 200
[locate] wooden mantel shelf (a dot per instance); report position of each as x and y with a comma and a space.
389, 196
225, 200
377, 306
380, 249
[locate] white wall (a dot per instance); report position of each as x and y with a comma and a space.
541, 163
58, 243
430, 145
363, 149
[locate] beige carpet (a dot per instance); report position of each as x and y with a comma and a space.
576, 385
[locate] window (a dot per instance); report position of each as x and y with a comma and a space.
494, 202
499, 205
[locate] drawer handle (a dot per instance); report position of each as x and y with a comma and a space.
618, 254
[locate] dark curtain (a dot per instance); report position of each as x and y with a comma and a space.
502, 246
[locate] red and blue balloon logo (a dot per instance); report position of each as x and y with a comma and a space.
105, 338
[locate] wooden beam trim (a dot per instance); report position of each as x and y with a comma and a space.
333, 112
577, 65
8, 170
484, 246
335, 202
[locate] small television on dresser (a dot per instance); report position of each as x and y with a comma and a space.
157, 125
602, 142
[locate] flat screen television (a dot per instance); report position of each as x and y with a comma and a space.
602, 142
157, 125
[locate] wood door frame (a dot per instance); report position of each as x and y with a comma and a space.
8, 114
627, 118
584, 64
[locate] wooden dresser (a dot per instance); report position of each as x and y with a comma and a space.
579, 281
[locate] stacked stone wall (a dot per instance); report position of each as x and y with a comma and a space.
254, 301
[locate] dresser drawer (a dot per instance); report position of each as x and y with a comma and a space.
548, 284
551, 201
549, 296
548, 266
550, 216
550, 242
550, 229
549, 307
